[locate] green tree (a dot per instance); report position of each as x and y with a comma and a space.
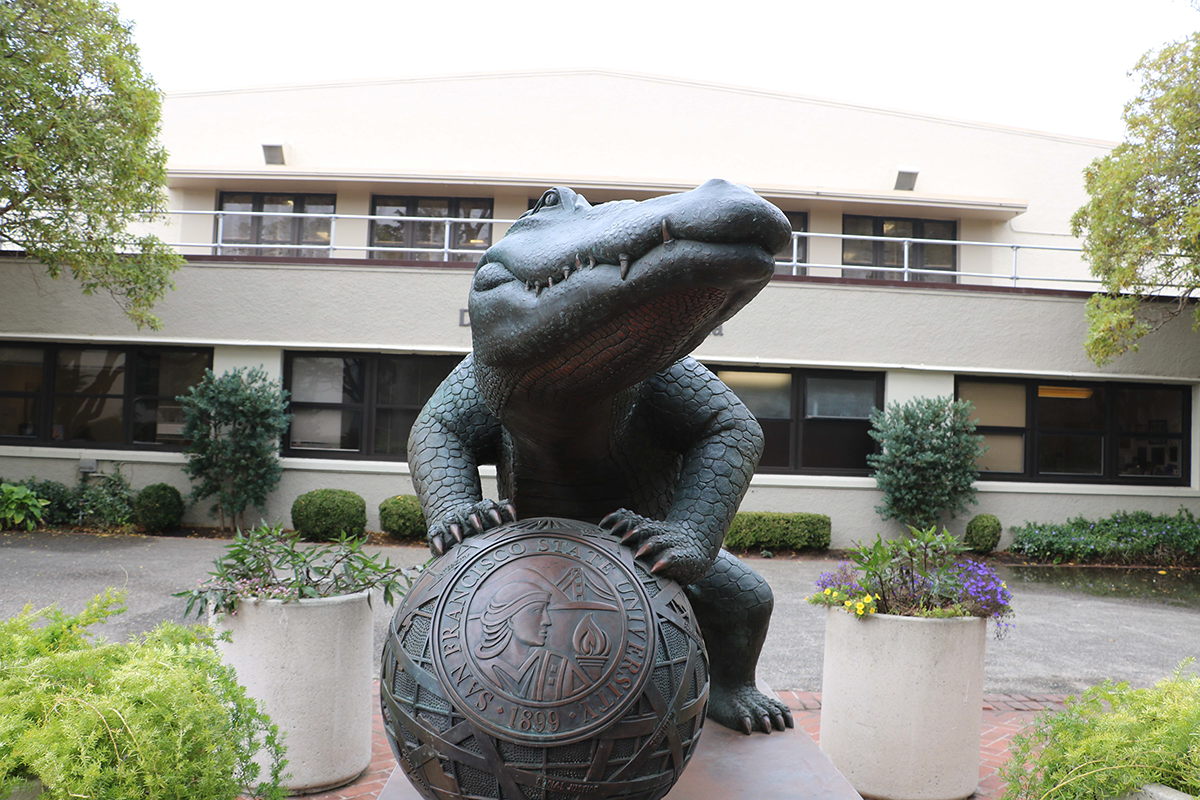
79, 157
1141, 224
233, 423
926, 466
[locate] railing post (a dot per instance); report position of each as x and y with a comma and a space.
446, 242
220, 230
1015, 248
332, 231
795, 252
906, 244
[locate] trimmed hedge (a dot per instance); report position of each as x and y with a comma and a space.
983, 533
400, 517
1127, 537
772, 529
324, 514
158, 507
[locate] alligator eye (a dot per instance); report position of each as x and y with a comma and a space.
550, 198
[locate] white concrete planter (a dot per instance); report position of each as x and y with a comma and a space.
902, 704
309, 662
31, 790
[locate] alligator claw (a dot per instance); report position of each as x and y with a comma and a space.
495, 517
643, 550
766, 723
439, 546
475, 522
659, 566
746, 727
511, 510
628, 532
456, 531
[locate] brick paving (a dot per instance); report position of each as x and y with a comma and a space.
1004, 715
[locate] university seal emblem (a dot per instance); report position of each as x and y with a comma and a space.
542, 655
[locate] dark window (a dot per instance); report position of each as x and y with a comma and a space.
1070, 431
789, 259
360, 404
417, 240
96, 396
881, 253
275, 229
813, 421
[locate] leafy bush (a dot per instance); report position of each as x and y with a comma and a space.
267, 564
1109, 741
105, 500
62, 508
924, 575
769, 529
322, 515
927, 465
19, 507
233, 423
159, 717
400, 517
1127, 537
158, 507
983, 533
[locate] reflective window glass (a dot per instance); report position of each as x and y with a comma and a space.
839, 397
1070, 407
326, 429
995, 403
1005, 453
328, 379
766, 394
18, 416
87, 418
1150, 410
90, 371
1063, 454
21, 369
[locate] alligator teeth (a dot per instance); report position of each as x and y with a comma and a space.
666, 233
566, 273
624, 266
550, 282
537, 289
529, 286
591, 261
578, 263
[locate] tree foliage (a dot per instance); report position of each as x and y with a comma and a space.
79, 158
233, 423
927, 465
1141, 224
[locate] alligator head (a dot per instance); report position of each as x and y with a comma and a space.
579, 300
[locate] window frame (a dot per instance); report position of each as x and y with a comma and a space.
1110, 435
45, 397
296, 246
411, 203
799, 422
916, 258
369, 407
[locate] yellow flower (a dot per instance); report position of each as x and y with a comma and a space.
859, 608
847, 604
876, 597
872, 611
827, 591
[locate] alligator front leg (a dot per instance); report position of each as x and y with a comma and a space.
687, 409
452, 436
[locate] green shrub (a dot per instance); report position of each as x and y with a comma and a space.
158, 507
322, 515
105, 500
771, 529
926, 467
1110, 741
157, 717
232, 424
983, 533
62, 508
400, 517
1127, 537
19, 507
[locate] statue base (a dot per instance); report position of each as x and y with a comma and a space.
780, 766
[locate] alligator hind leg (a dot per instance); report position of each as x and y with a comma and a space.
733, 608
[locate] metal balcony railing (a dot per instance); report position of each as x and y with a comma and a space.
442, 239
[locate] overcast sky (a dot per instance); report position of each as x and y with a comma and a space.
1052, 65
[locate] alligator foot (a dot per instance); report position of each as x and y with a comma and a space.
744, 708
470, 520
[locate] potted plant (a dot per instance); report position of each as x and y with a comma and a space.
300, 632
902, 685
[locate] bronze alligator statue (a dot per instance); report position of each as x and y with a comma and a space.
581, 391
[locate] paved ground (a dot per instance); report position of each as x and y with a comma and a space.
1062, 641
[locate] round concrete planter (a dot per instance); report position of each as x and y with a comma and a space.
309, 662
902, 704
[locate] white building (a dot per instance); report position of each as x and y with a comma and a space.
972, 286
